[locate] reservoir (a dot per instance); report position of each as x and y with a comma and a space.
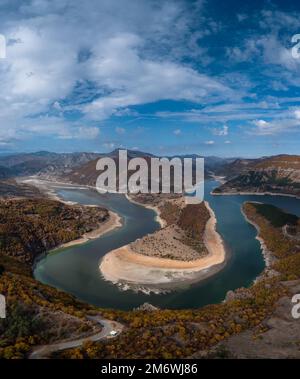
76, 269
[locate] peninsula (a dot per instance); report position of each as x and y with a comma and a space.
186, 248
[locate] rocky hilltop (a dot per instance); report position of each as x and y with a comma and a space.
279, 174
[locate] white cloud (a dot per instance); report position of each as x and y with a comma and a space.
224, 131
231, 112
265, 128
271, 45
297, 114
132, 53
209, 142
261, 123
109, 145
120, 130
177, 132
277, 126
57, 106
244, 53
131, 80
82, 133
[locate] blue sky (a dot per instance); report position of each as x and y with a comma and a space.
205, 76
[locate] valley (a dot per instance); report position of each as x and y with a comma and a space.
191, 330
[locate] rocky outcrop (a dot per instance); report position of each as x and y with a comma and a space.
146, 307
279, 174
279, 337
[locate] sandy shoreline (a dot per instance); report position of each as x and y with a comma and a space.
48, 187
152, 207
255, 194
125, 265
220, 179
267, 254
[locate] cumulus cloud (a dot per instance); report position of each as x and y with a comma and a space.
100, 59
131, 80
122, 56
266, 128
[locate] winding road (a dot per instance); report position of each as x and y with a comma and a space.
108, 326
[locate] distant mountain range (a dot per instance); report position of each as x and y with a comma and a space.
277, 174
87, 173
42, 162
78, 167
6, 172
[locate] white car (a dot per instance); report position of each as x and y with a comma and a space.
113, 333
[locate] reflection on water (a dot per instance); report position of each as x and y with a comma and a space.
75, 270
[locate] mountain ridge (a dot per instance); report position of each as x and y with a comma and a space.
277, 174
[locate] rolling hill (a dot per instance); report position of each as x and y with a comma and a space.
278, 174
42, 162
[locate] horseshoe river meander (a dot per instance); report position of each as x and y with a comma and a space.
76, 269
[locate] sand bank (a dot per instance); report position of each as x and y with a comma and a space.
254, 194
152, 207
49, 188
125, 265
